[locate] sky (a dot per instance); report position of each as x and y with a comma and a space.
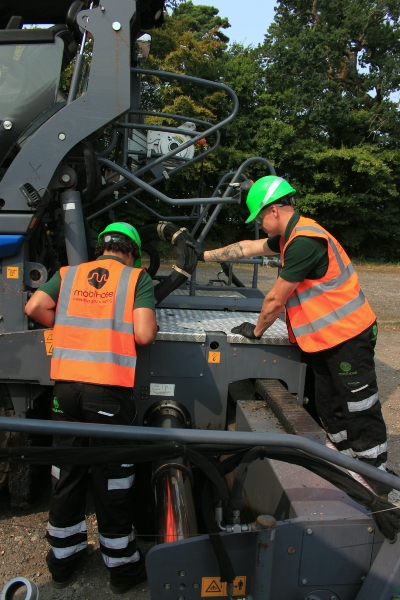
249, 19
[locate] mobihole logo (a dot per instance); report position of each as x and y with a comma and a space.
98, 277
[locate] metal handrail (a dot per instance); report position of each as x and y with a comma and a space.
199, 436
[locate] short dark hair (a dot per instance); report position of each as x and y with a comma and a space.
117, 242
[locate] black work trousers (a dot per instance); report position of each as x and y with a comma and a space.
112, 485
347, 402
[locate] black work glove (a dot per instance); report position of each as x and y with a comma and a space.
247, 330
197, 247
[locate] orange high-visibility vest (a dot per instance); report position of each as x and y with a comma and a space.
322, 313
93, 337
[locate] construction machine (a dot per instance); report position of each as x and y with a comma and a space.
249, 502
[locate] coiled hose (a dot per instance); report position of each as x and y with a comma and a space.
186, 260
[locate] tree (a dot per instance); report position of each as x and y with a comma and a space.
202, 20
326, 119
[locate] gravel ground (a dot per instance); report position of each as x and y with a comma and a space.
22, 544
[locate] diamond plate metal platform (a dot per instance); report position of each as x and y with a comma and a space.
192, 325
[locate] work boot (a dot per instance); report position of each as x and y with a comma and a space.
139, 577
60, 585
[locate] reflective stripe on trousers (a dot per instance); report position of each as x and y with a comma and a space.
64, 532
338, 437
363, 404
111, 562
370, 453
122, 483
116, 543
61, 553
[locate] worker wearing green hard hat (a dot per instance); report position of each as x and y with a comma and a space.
100, 311
265, 191
326, 314
110, 233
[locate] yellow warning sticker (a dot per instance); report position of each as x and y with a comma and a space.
48, 340
12, 272
213, 587
214, 357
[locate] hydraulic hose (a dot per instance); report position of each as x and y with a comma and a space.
186, 258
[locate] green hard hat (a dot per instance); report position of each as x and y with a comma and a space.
265, 191
129, 231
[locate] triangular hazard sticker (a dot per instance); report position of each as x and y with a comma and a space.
213, 587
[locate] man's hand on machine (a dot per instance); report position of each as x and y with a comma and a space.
197, 247
247, 330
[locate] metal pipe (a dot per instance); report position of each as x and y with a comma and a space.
121, 183
151, 113
111, 146
246, 261
207, 207
73, 88
175, 514
148, 188
199, 136
127, 125
199, 436
74, 227
235, 178
255, 270
205, 82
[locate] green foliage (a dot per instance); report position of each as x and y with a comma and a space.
315, 99
326, 120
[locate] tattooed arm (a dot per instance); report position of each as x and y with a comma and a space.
244, 249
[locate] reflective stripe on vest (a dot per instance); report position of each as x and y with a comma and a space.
324, 314
326, 286
93, 356
90, 348
330, 318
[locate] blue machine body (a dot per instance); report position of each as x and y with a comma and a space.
10, 245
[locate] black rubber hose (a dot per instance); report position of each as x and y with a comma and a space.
240, 476
186, 260
226, 570
93, 173
211, 472
154, 257
235, 280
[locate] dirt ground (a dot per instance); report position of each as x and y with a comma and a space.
22, 544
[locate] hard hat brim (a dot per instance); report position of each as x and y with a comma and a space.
255, 214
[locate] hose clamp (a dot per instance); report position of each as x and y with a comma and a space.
160, 230
181, 271
178, 233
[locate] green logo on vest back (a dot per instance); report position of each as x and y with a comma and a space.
56, 406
